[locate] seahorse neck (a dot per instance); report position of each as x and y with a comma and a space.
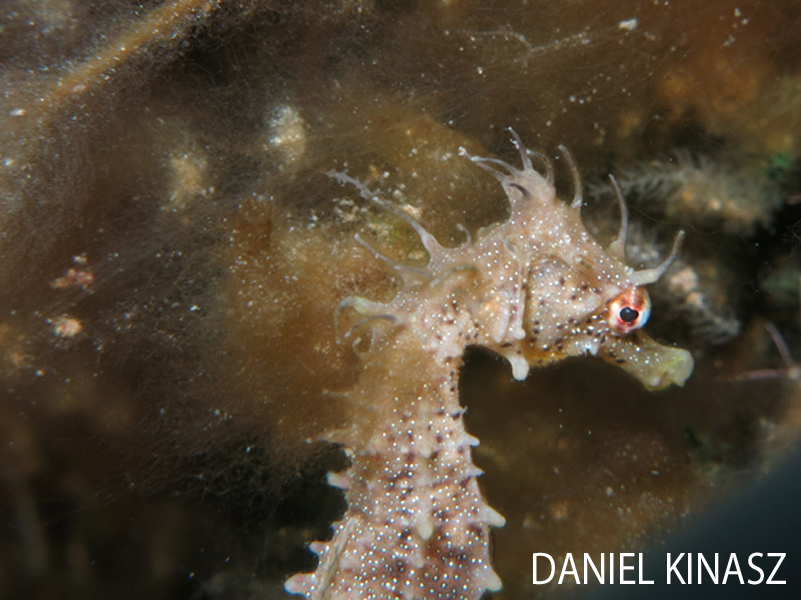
416, 525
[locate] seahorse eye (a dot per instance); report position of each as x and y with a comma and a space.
629, 310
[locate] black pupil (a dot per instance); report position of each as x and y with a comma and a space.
628, 314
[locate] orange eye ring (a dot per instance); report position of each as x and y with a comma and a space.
629, 310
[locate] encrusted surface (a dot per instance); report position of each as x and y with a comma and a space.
173, 253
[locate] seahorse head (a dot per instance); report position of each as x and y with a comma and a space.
574, 312
579, 298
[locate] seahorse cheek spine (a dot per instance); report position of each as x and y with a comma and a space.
536, 288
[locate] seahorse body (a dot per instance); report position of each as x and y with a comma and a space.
536, 288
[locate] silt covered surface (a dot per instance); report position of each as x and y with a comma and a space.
174, 252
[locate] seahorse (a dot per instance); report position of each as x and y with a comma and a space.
536, 288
